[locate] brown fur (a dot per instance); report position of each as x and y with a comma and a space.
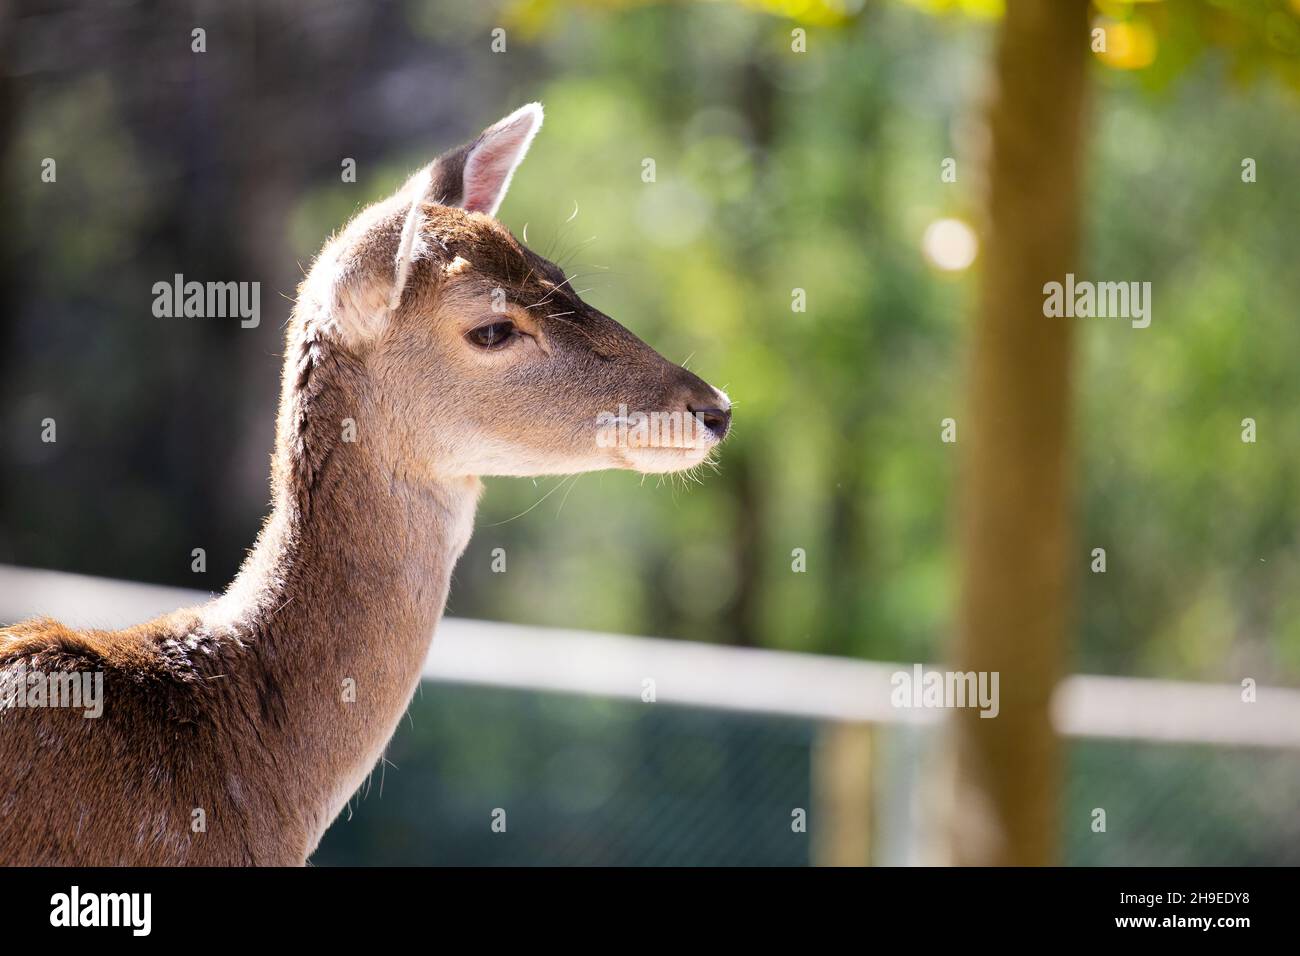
237, 707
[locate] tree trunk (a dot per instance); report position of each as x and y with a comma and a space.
1016, 541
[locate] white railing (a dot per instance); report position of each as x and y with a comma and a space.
832, 689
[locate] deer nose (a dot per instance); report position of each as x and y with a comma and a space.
716, 420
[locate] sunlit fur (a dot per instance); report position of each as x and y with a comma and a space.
229, 736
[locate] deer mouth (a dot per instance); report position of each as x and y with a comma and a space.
684, 430
664, 460
663, 441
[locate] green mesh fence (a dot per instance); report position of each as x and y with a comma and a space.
582, 781
1182, 805
587, 781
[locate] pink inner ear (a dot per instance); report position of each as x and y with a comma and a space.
491, 164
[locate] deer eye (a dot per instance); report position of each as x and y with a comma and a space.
492, 336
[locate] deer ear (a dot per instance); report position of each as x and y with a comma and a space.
366, 270
359, 277
475, 177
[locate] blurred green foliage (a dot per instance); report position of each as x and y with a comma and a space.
836, 446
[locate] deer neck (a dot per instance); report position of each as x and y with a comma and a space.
338, 602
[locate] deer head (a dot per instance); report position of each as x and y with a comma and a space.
480, 358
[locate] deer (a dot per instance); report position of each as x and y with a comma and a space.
233, 733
